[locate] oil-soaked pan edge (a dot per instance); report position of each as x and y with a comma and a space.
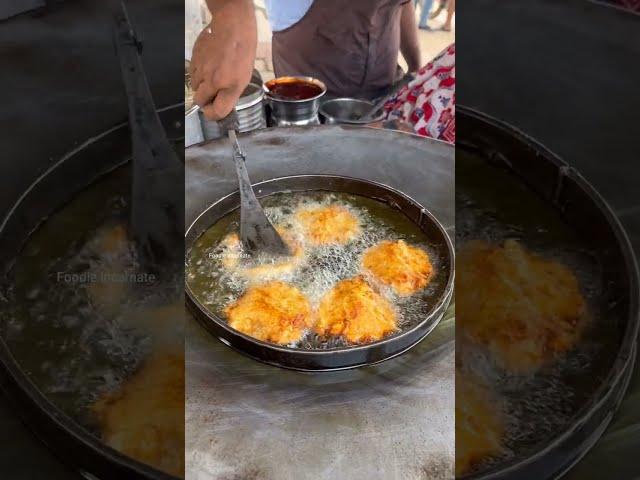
337, 358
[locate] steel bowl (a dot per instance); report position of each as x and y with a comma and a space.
348, 111
334, 358
294, 112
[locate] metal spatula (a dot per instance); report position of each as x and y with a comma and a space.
157, 191
256, 231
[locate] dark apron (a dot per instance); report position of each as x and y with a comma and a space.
351, 45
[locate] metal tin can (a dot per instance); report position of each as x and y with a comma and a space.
251, 116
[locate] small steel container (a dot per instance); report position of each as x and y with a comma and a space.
291, 112
251, 116
348, 111
192, 127
250, 110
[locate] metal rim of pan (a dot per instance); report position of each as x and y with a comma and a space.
589, 422
333, 359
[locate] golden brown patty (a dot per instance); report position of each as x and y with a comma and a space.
479, 424
274, 312
334, 224
354, 310
144, 418
522, 307
404, 268
232, 253
111, 240
110, 244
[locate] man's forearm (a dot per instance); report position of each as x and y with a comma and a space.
242, 5
236, 11
409, 44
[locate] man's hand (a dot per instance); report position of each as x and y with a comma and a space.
223, 57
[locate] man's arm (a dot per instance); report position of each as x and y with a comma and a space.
409, 44
223, 56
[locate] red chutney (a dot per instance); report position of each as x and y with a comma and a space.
293, 89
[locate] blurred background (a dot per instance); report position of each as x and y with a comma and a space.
432, 41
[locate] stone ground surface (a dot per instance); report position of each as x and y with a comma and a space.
431, 42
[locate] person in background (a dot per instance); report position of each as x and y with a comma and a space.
351, 45
428, 102
451, 9
424, 13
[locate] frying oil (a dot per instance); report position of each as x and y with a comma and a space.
321, 267
493, 206
77, 317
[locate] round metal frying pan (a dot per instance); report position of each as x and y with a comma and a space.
49, 192
570, 197
334, 358
417, 434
